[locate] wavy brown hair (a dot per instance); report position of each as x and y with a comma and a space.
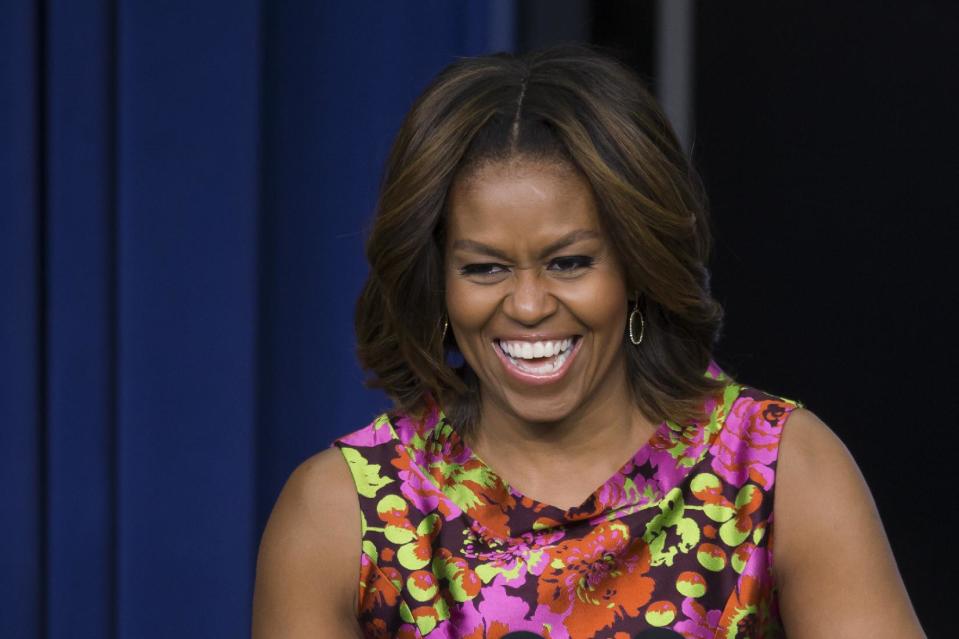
570, 105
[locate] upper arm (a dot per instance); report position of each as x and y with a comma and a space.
308, 565
833, 564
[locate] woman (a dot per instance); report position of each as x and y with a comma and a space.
564, 458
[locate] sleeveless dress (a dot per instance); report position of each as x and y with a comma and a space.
679, 538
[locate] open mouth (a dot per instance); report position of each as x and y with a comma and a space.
539, 358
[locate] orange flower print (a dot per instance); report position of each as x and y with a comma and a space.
594, 581
679, 538
378, 587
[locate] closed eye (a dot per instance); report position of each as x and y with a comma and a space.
482, 270
571, 263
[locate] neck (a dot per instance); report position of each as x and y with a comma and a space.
600, 432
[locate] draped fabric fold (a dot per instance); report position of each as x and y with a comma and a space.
184, 189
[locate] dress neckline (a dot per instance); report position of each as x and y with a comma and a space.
498, 510
470, 485
660, 434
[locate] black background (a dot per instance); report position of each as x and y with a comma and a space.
827, 136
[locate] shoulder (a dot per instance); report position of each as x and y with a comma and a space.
816, 469
309, 560
744, 429
832, 560
819, 486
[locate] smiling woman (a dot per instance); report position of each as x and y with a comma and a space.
542, 327
586, 470
582, 115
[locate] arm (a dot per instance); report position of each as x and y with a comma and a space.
833, 564
309, 561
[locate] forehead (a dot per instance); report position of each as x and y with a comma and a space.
521, 200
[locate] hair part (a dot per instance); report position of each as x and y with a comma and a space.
568, 105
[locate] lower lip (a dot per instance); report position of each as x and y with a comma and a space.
533, 379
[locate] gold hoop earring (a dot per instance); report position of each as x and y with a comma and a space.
636, 341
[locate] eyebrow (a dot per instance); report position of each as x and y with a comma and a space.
558, 245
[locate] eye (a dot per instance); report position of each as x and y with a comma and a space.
570, 263
483, 271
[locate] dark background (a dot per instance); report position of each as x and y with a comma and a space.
827, 139
826, 134
184, 192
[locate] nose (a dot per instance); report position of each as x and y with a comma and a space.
530, 300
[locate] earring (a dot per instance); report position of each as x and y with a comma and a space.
446, 326
636, 341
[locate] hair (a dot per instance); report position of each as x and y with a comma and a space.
569, 105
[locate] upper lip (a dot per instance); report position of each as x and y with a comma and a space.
536, 338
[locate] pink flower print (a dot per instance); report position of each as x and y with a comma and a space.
669, 453
614, 492
512, 613
699, 623
378, 432
421, 491
748, 442
759, 567
408, 428
509, 561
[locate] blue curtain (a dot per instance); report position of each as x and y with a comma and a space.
184, 188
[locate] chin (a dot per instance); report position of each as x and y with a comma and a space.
539, 410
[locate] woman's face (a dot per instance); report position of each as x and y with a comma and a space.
536, 298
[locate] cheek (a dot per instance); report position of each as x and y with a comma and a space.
468, 308
602, 305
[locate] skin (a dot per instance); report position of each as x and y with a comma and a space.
508, 276
832, 561
307, 570
519, 235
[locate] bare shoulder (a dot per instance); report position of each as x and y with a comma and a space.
308, 565
833, 563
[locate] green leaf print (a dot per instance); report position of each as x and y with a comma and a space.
398, 535
737, 530
422, 585
366, 476
749, 495
430, 523
732, 535
409, 558
759, 533
462, 496
456, 573
657, 530
708, 488
732, 630
688, 532
487, 572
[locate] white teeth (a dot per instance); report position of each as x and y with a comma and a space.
542, 369
518, 351
530, 350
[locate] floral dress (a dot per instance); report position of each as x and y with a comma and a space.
679, 538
